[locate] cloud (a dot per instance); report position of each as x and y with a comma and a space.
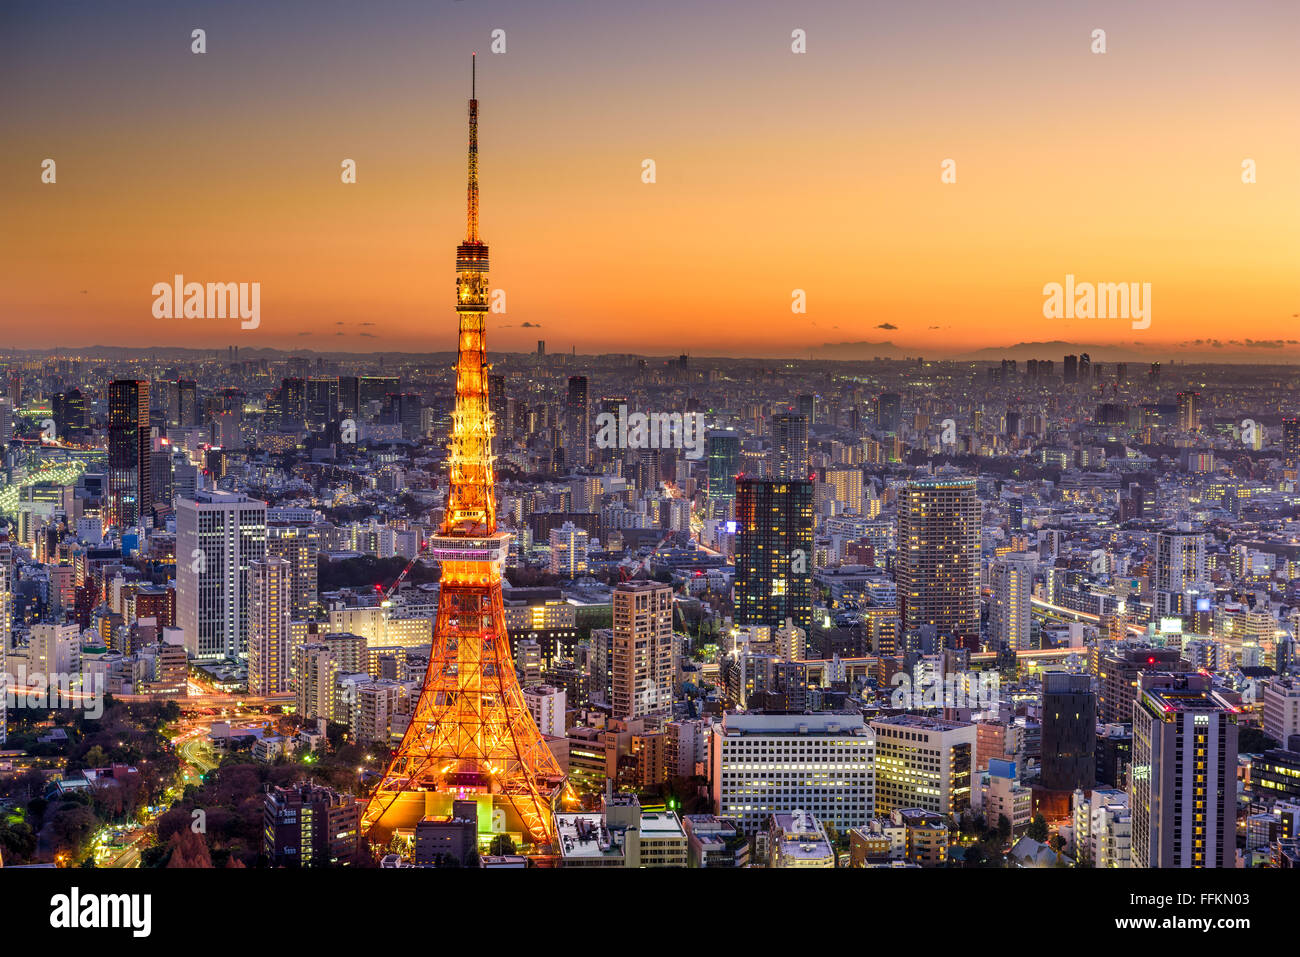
530, 325
886, 325
365, 323
369, 335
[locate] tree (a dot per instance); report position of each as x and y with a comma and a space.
501, 846
1004, 827
188, 850
1038, 828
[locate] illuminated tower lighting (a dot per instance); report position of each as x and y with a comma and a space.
471, 736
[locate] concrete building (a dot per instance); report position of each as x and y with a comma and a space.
624, 835
923, 762
796, 839
546, 705
310, 825
218, 537
642, 660
762, 764
1280, 708
269, 612
1183, 781
1000, 794
1103, 828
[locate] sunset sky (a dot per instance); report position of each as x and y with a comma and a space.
775, 171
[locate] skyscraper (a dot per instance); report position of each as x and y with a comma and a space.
889, 411
1291, 441
299, 545
789, 446
569, 551
471, 735
1189, 411
1009, 618
1180, 564
938, 561
774, 552
269, 608
577, 423
642, 660
1183, 782
218, 537
722, 446
129, 445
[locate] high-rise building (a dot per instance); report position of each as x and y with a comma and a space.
314, 668
1117, 676
722, 446
218, 537
938, 562
923, 762
577, 423
269, 609
322, 403
1009, 614
1183, 783
569, 551
764, 764
642, 665
789, 446
774, 552
1180, 564
299, 545
1069, 732
889, 411
129, 445
1189, 411
1291, 441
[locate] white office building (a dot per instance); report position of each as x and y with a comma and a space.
763, 764
218, 537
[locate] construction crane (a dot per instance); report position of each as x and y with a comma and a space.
392, 589
625, 574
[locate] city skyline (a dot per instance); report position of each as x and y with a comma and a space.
642, 589
1122, 167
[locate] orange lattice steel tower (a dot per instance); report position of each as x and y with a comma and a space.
471, 736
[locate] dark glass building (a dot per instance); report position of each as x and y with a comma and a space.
774, 552
1069, 732
129, 444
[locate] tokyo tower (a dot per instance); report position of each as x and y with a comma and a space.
471, 736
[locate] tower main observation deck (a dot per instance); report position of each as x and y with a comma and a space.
471, 736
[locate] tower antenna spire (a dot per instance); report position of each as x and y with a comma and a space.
472, 195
